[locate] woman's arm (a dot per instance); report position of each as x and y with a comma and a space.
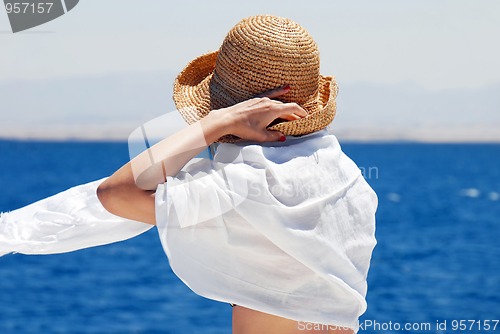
129, 191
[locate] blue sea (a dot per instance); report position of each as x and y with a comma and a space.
437, 260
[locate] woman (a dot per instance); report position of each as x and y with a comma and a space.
280, 223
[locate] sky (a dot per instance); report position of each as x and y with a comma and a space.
108, 65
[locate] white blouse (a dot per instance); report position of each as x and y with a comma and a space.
287, 229
283, 228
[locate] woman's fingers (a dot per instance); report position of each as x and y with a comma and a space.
276, 109
250, 119
289, 111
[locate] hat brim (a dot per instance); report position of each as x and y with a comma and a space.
193, 99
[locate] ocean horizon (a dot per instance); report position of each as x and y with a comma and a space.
437, 260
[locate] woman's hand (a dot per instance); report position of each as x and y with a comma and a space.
129, 192
249, 119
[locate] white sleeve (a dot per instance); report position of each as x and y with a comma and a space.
68, 221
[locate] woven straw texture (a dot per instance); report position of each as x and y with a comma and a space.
260, 53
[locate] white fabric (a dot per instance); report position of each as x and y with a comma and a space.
283, 228
286, 229
71, 220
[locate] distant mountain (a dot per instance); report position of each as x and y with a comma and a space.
407, 104
407, 111
111, 106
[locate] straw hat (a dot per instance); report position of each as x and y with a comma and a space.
260, 53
